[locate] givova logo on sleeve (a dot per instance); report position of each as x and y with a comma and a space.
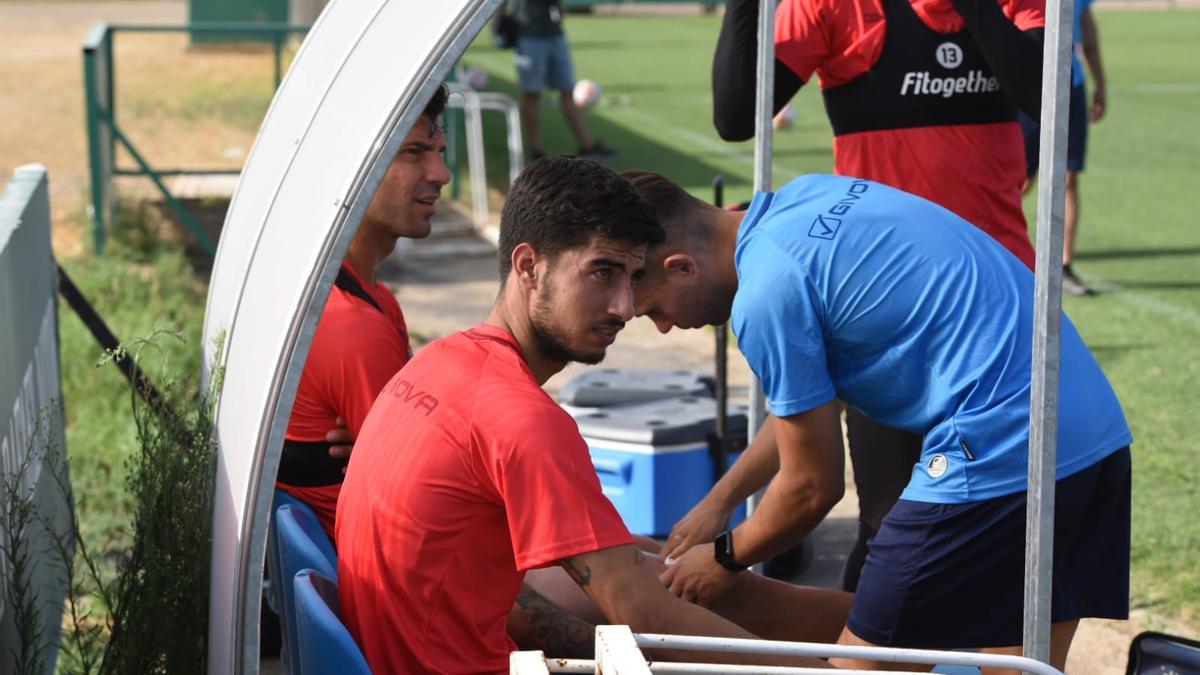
826, 225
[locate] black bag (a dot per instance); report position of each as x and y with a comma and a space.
1160, 654
505, 29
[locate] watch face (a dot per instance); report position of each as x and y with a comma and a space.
724, 554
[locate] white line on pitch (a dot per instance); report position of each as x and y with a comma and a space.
1131, 297
1159, 88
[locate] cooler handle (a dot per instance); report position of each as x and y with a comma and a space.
613, 471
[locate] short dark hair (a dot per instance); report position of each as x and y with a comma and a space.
683, 217
437, 104
562, 203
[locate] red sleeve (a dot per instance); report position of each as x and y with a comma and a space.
551, 493
370, 351
802, 37
1026, 14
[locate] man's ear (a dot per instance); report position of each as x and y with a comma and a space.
524, 264
681, 265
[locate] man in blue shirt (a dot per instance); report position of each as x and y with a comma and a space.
841, 288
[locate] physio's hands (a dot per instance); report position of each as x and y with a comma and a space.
342, 443
701, 525
696, 576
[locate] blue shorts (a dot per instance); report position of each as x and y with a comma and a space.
1077, 132
544, 63
952, 575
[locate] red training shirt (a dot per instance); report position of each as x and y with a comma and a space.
975, 170
466, 475
355, 351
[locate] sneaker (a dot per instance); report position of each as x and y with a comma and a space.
599, 152
1071, 284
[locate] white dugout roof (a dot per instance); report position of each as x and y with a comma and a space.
356, 87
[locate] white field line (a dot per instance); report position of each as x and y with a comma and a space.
1159, 88
710, 144
1184, 315
781, 173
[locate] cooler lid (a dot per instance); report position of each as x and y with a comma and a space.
600, 387
688, 419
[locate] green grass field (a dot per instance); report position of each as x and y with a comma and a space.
1139, 242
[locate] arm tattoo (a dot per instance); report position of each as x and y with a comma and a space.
555, 630
582, 577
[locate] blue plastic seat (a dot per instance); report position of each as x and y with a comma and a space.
274, 589
302, 544
326, 647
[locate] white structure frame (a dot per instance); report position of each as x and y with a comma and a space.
473, 104
355, 89
618, 652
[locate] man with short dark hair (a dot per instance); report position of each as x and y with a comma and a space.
467, 474
362, 339
841, 288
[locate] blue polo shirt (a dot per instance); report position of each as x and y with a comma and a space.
850, 289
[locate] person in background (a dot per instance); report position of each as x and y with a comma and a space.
362, 338
922, 96
544, 62
1087, 40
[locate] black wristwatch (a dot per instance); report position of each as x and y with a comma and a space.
723, 552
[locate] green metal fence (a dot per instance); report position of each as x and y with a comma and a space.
105, 134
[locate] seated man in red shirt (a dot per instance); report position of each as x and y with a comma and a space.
361, 340
467, 474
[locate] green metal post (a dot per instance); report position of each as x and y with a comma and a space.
275, 38
94, 120
453, 150
184, 215
110, 82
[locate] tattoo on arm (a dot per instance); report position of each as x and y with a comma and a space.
582, 577
555, 630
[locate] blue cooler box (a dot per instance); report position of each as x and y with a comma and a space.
654, 459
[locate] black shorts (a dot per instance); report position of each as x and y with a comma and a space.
1077, 133
952, 575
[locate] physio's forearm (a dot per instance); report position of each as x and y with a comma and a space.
752, 470
791, 508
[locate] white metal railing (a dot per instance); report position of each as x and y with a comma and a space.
473, 103
619, 652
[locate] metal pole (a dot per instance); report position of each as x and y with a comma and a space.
764, 106
277, 43
722, 365
1043, 417
91, 97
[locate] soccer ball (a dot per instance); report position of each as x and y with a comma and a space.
785, 119
586, 93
